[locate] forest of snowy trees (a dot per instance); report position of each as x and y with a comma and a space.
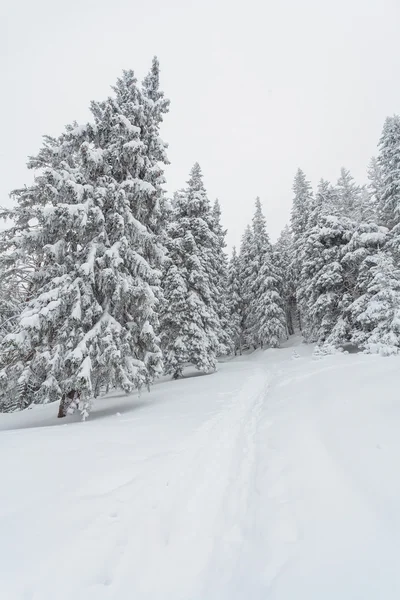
105, 282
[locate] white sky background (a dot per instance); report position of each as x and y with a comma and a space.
257, 88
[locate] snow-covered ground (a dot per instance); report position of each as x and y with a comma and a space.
275, 478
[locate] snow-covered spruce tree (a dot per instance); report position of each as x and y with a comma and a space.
28, 359
155, 107
247, 279
91, 320
355, 264
269, 310
322, 283
190, 326
264, 321
348, 196
219, 276
324, 280
301, 205
302, 252
261, 249
389, 161
282, 258
261, 242
235, 304
300, 213
376, 312
324, 203
367, 240
375, 187
389, 205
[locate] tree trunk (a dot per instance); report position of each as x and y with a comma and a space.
65, 403
289, 320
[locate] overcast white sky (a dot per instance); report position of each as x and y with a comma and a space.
257, 87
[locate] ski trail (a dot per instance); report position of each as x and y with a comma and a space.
271, 528
204, 502
258, 531
232, 531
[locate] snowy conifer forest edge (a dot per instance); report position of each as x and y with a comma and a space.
105, 282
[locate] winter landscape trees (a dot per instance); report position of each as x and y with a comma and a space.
92, 221
191, 325
105, 283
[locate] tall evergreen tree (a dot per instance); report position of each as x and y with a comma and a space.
300, 214
376, 312
367, 240
301, 205
92, 321
348, 196
247, 277
282, 257
219, 272
389, 161
191, 330
322, 283
389, 201
265, 316
235, 303
269, 309
260, 250
324, 203
375, 186
261, 240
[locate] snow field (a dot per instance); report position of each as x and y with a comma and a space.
272, 478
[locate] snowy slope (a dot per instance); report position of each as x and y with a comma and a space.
276, 477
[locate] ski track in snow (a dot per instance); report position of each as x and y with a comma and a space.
272, 479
